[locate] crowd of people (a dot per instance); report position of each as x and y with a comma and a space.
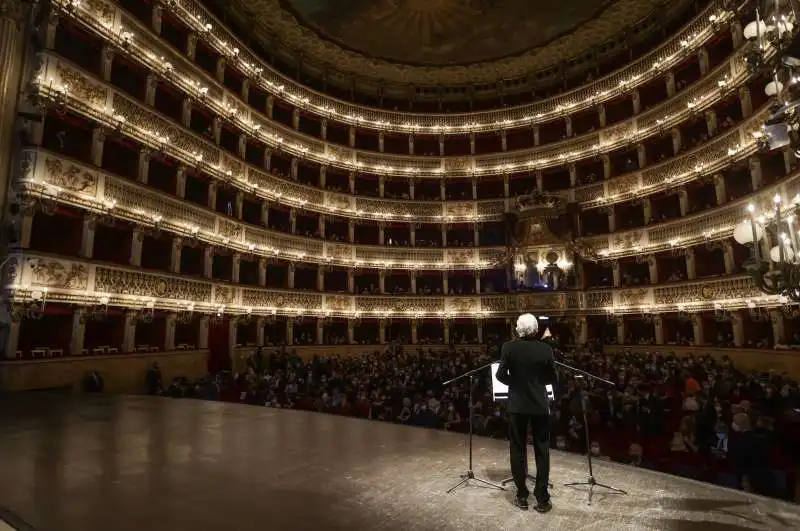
695, 417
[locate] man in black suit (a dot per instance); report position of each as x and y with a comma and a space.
526, 367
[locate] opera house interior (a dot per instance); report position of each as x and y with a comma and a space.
187, 182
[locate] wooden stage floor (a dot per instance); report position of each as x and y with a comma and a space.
96, 463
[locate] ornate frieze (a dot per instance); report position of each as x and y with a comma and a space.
54, 273
131, 282
69, 176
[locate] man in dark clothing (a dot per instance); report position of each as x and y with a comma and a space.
526, 366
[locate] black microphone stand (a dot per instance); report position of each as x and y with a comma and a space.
591, 481
470, 475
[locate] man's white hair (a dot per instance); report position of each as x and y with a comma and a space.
527, 325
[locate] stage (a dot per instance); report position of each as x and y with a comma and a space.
77, 463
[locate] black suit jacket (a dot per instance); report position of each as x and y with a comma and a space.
526, 366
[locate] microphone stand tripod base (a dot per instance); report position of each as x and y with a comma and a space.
470, 476
528, 476
592, 483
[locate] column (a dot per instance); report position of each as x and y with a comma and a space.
414, 330
746, 102
321, 226
636, 98
351, 281
129, 332
702, 60
292, 220
537, 138
506, 187
216, 130
476, 235
446, 335
202, 333
351, 332
137, 238
568, 124
730, 264
413, 235
323, 174
262, 272
296, 118
691, 264
641, 154
98, 142
265, 213
382, 332
652, 265
413, 278
676, 140
778, 327
290, 275
737, 34
474, 189
270, 106
698, 329
540, 179
324, 129
320, 332
616, 273
601, 114
503, 140
621, 330
480, 332
87, 236
351, 231
411, 144
756, 174
267, 162
606, 158
212, 195
107, 62
683, 201
445, 283
233, 332
351, 136
191, 46
260, 322
151, 86
382, 282
647, 205
208, 261
352, 182
289, 332
381, 186
321, 278
239, 204
720, 189
175, 256
78, 332
236, 262
143, 173
169, 332
442, 191
472, 143
612, 219
738, 328
246, 90
658, 329
669, 79
242, 146
157, 13
711, 122
221, 69
50, 31
180, 181
583, 330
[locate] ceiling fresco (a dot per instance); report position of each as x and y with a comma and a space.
443, 32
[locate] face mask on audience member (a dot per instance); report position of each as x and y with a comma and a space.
561, 443
496, 412
451, 409
595, 449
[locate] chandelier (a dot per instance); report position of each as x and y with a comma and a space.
774, 268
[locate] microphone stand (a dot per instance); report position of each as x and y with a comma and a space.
470, 475
591, 481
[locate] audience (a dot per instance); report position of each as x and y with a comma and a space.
694, 417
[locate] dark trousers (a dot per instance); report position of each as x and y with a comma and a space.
518, 433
